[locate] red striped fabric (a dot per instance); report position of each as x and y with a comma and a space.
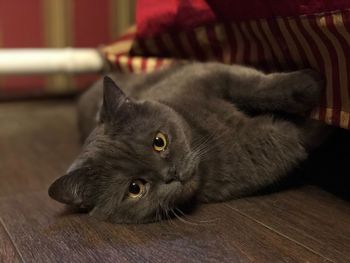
320, 41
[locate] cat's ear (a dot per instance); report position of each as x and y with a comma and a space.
69, 189
113, 99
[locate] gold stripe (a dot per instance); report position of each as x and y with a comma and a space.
58, 16
343, 76
253, 46
273, 43
266, 49
122, 16
327, 61
290, 42
150, 64
329, 114
239, 42
118, 47
186, 45
344, 119
221, 35
123, 63
340, 27
309, 55
203, 42
111, 58
169, 44
136, 63
167, 62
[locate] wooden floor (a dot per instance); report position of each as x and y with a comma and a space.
38, 140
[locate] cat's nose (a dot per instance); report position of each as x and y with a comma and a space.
171, 175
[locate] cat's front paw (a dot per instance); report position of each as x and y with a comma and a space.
309, 89
306, 87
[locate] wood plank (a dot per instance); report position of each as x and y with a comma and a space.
308, 215
7, 250
38, 140
43, 232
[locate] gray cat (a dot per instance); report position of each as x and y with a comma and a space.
201, 132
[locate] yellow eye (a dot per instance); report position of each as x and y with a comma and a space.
159, 142
137, 189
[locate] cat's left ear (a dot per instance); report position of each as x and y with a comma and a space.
70, 188
114, 101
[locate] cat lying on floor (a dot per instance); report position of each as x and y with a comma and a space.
191, 133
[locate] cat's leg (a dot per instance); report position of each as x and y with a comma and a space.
294, 92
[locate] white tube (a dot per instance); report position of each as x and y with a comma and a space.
50, 60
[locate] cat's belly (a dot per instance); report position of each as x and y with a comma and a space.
240, 154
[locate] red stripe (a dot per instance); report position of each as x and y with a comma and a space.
346, 22
163, 51
246, 46
281, 42
273, 59
214, 43
143, 64
321, 65
335, 71
91, 23
21, 27
117, 63
159, 63
192, 39
299, 47
24, 85
21, 23
346, 19
261, 63
232, 42
344, 45
129, 64
176, 40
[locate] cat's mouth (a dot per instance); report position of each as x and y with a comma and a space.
190, 184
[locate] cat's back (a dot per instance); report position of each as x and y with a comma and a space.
184, 87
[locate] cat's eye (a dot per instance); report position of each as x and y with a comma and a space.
137, 189
160, 142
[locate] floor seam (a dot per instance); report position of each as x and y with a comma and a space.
278, 233
11, 239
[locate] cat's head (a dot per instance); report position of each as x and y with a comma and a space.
135, 166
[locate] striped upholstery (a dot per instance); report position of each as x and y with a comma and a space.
320, 41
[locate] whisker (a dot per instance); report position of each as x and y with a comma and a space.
198, 222
183, 220
168, 217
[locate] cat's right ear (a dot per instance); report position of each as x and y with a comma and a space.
113, 99
69, 189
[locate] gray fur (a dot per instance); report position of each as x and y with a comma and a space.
226, 140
